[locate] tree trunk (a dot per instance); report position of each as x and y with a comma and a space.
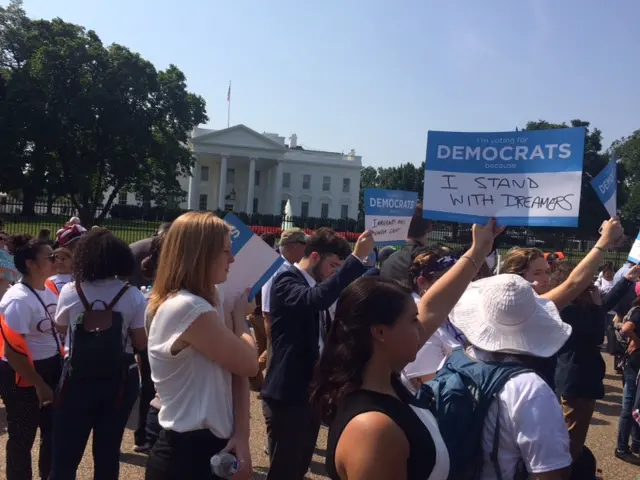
50, 199
28, 202
86, 217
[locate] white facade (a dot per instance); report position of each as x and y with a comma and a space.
238, 169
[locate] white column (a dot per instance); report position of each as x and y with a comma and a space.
222, 188
277, 189
194, 183
250, 187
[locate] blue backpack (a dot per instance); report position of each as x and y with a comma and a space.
462, 392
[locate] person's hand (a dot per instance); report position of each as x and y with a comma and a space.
239, 446
611, 232
364, 245
633, 274
484, 235
243, 306
45, 395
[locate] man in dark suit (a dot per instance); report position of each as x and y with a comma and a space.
300, 300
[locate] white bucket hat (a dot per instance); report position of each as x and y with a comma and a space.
503, 314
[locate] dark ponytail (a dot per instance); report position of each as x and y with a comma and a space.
367, 302
24, 247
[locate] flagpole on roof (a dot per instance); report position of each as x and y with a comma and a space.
229, 105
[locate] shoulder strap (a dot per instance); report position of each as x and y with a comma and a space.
85, 303
118, 296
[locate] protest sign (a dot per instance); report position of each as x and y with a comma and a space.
606, 186
255, 262
634, 253
526, 178
387, 213
8, 269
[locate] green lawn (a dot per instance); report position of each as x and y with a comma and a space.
129, 231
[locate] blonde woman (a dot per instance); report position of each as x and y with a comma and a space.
200, 363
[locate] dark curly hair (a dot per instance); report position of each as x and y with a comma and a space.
364, 303
100, 255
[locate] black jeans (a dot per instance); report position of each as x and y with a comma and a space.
153, 426
627, 426
24, 416
292, 432
147, 392
182, 456
102, 405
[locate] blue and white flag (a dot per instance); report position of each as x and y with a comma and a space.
255, 261
526, 178
606, 186
387, 213
634, 253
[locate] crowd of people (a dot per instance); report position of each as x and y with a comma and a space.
424, 363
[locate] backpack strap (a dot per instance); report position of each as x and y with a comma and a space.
118, 296
85, 303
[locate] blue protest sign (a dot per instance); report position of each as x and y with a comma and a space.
387, 213
606, 186
255, 262
634, 253
526, 178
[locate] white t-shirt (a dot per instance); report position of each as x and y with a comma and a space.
532, 428
266, 288
194, 391
26, 315
131, 305
60, 280
432, 354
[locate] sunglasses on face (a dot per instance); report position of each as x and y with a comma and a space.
437, 266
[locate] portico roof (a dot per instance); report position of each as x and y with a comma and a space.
238, 136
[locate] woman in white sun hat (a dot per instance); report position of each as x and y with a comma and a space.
505, 321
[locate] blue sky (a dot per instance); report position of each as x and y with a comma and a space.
376, 75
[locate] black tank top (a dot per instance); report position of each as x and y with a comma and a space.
422, 450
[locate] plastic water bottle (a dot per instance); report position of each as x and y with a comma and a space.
224, 465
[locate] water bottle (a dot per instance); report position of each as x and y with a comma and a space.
224, 465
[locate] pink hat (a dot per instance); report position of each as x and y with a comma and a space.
69, 234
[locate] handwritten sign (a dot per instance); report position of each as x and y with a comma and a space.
255, 262
387, 213
527, 178
606, 186
634, 253
7, 267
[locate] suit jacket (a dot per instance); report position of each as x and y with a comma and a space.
295, 324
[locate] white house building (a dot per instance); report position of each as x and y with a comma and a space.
242, 170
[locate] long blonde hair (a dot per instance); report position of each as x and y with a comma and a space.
188, 252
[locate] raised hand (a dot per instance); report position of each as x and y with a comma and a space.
484, 235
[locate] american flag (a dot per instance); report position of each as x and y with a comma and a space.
229, 94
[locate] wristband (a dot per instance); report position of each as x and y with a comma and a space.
600, 248
473, 262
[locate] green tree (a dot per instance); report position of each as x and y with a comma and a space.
628, 153
368, 179
98, 119
592, 211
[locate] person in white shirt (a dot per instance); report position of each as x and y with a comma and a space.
64, 267
200, 359
97, 398
424, 271
505, 321
31, 365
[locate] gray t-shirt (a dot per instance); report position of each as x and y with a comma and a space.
141, 250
